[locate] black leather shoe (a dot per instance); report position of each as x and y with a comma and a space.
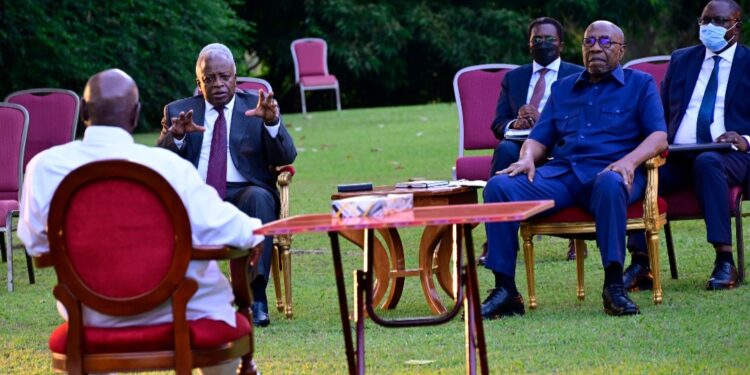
724, 276
482, 258
260, 314
617, 302
500, 303
572, 251
637, 277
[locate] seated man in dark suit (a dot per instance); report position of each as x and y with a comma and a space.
525, 91
704, 101
236, 140
600, 126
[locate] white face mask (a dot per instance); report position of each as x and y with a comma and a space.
712, 36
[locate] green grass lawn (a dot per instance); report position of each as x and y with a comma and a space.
693, 331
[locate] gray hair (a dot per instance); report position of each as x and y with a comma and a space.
211, 50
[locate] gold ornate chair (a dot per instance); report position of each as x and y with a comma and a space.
281, 260
577, 224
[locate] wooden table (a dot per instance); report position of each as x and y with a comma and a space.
461, 219
434, 248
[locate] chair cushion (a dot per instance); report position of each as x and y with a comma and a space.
312, 81
5, 207
204, 333
578, 215
684, 203
288, 168
473, 167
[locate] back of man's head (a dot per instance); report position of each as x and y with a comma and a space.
110, 98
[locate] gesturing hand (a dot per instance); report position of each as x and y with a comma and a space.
521, 166
267, 108
183, 123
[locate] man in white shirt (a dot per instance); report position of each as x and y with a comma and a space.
705, 101
236, 140
110, 110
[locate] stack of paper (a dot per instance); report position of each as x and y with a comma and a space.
420, 184
517, 134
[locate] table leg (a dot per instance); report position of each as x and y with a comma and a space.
430, 238
343, 306
474, 314
383, 265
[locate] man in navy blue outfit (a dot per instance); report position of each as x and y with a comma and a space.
517, 107
526, 89
599, 126
704, 102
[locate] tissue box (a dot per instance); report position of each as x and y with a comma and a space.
371, 205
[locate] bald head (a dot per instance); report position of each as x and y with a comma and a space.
111, 99
603, 48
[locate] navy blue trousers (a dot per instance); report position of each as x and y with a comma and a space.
260, 203
606, 197
506, 152
711, 174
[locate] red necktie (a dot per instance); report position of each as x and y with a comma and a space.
217, 159
538, 94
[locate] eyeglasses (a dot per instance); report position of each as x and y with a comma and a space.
604, 41
716, 21
546, 38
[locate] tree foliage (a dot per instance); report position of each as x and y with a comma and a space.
61, 43
406, 51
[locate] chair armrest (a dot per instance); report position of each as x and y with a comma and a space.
651, 195
43, 261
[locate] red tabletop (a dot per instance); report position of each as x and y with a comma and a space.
420, 216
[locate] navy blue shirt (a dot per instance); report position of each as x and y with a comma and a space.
588, 126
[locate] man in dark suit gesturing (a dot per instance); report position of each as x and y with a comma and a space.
236, 140
705, 100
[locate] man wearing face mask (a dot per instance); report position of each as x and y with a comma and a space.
705, 101
524, 93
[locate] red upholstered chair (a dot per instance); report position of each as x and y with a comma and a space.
14, 123
250, 84
477, 89
131, 263
683, 205
53, 115
648, 214
656, 66
281, 260
310, 57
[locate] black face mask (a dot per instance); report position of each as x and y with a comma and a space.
544, 53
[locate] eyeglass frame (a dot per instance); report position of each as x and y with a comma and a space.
545, 38
598, 39
712, 19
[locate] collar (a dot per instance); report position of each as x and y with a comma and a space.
728, 54
553, 66
229, 106
617, 74
106, 134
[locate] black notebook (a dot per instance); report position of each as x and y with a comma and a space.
700, 147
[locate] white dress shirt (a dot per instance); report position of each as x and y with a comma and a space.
686, 132
209, 119
549, 78
213, 221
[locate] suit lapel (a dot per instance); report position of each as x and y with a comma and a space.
695, 61
522, 85
735, 75
199, 117
239, 124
